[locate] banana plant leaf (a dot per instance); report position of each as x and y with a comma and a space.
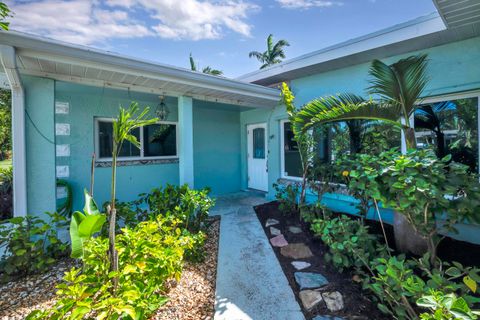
85, 225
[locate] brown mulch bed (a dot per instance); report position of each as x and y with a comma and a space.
357, 305
192, 298
19, 297
194, 295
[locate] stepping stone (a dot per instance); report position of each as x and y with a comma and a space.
327, 318
300, 265
274, 231
310, 298
308, 280
279, 241
271, 222
333, 300
295, 230
296, 251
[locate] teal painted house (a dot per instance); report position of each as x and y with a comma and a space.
230, 135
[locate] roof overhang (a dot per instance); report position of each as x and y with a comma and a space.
458, 13
424, 32
48, 58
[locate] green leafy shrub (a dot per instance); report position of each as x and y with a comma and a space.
349, 242
396, 285
149, 254
445, 307
312, 212
423, 188
286, 195
189, 205
361, 172
6, 193
30, 245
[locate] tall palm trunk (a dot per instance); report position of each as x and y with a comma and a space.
410, 139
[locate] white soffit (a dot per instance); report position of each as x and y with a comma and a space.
65, 62
458, 13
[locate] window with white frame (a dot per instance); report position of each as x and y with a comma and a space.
290, 155
448, 125
157, 141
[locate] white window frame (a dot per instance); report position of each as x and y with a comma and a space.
457, 96
282, 152
142, 156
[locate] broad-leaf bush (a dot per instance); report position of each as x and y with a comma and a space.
286, 195
446, 307
426, 189
149, 255
30, 245
189, 205
350, 244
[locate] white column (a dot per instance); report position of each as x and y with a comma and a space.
185, 122
9, 62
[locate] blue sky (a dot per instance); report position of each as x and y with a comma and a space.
218, 33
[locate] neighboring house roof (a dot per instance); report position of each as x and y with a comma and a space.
453, 22
58, 60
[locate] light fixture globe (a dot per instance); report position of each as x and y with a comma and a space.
162, 111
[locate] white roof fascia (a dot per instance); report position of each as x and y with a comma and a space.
42, 48
401, 32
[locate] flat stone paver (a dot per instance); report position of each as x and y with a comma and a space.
309, 280
295, 229
250, 281
271, 222
300, 265
274, 231
279, 241
296, 251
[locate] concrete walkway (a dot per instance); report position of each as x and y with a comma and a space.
250, 281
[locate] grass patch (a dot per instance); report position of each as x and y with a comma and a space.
5, 164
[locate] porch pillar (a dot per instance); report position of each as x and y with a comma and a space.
9, 62
185, 122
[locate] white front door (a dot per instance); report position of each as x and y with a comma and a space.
257, 156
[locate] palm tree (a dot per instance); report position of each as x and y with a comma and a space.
273, 53
207, 69
398, 87
427, 117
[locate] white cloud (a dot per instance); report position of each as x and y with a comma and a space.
77, 21
194, 19
93, 21
307, 4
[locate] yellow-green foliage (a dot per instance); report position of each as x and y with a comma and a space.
148, 254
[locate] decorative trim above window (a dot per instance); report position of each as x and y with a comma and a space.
123, 163
157, 142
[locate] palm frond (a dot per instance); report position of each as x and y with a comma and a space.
210, 70
193, 66
400, 83
260, 56
269, 44
343, 107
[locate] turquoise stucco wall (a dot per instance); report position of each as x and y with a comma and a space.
86, 103
452, 68
40, 150
216, 146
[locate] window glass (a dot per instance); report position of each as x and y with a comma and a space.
450, 127
105, 131
291, 154
259, 143
160, 140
